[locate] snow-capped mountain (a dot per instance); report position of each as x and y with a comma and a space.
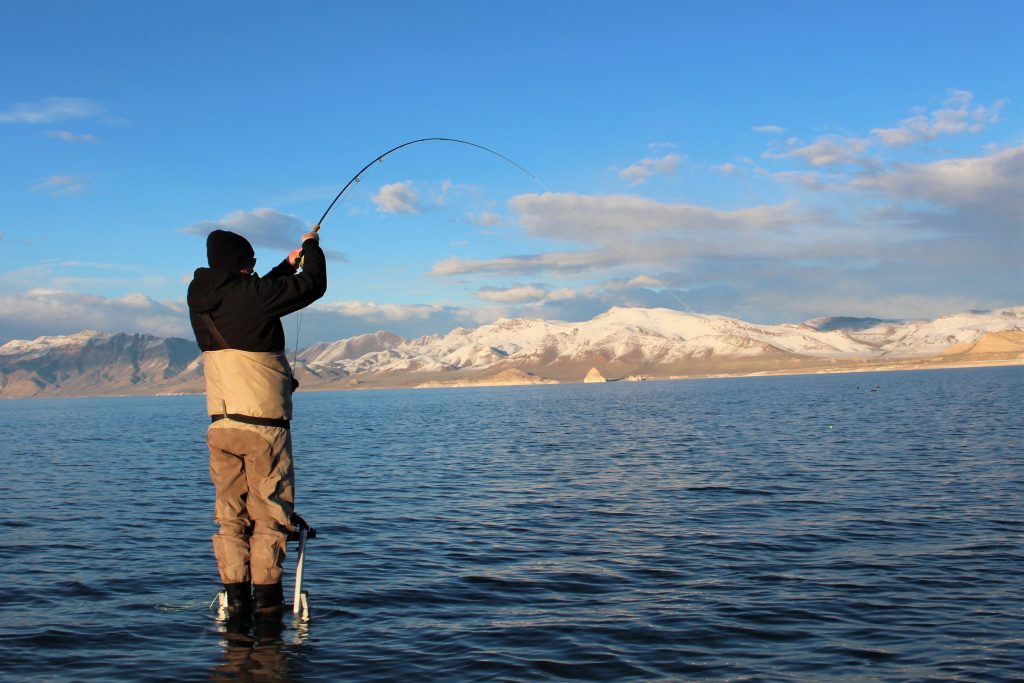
92, 362
621, 343
658, 341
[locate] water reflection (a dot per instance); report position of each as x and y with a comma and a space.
257, 649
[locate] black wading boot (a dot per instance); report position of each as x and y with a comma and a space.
268, 600
239, 602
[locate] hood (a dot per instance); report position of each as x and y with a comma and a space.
208, 287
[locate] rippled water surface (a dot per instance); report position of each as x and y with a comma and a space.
843, 527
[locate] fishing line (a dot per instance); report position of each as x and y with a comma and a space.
355, 178
379, 159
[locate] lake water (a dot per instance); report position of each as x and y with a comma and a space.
843, 527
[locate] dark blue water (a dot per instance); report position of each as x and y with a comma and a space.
843, 527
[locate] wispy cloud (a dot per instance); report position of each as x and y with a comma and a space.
638, 281
39, 312
335, 320
600, 218
662, 252
515, 294
59, 274
263, 227
829, 150
68, 136
808, 180
486, 219
381, 312
769, 128
561, 262
397, 198
60, 185
992, 183
49, 110
639, 172
958, 115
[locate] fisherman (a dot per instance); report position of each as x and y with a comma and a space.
236, 317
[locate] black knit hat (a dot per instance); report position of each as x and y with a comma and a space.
228, 251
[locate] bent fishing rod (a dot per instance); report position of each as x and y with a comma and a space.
379, 159
355, 179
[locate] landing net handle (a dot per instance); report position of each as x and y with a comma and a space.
304, 532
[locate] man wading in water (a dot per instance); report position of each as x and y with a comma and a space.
236, 317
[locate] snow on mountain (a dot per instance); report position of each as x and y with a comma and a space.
324, 353
621, 342
649, 337
92, 362
42, 345
926, 338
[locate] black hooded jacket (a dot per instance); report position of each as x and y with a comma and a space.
247, 309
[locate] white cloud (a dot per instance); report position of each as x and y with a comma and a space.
262, 227
957, 116
40, 312
60, 185
563, 294
380, 312
809, 180
638, 281
829, 150
993, 183
68, 136
640, 171
664, 252
769, 129
49, 110
727, 168
64, 275
516, 294
607, 218
486, 219
565, 262
397, 198
335, 320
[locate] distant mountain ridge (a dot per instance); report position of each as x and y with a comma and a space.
620, 343
90, 363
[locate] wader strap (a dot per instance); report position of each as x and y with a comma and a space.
283, 423
219, 338
205, 317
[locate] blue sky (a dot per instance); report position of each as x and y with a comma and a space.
769, 161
